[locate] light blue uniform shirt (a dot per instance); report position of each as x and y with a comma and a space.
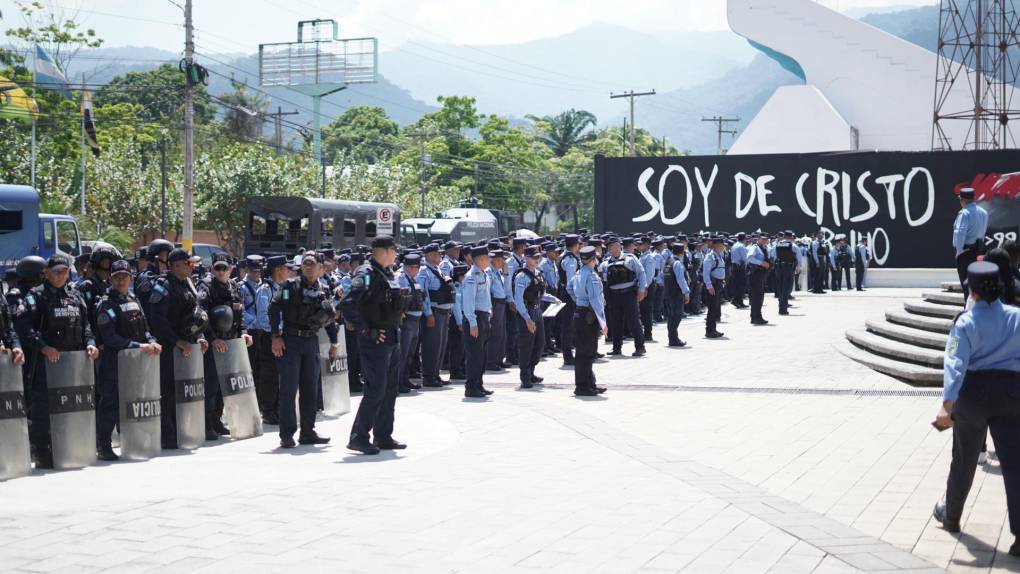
862, 253
660, 264
262, 299
983, 338
586, 290
738, 255
713, 268
757, 255
457, 315
512, 265
632, 263
476, 295
570, 264
550, 273
406, 282
649, 265
680, 273
497, 283
446, 265
970, 226
521, 283
430, 282
249, 290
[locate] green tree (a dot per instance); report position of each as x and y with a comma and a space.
160, 92
49, 26
361, 134
244, 113
566, 130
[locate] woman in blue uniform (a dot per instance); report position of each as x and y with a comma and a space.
981, 394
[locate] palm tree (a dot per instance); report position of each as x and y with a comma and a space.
566, 129
244, 112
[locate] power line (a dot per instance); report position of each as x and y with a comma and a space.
720, 122
631, 95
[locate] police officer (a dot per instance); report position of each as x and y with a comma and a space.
841, 259
968, 234
513, 264
625, 278
439, 298
589, 321
862, 261
677, 293
529, 287
455, 341
177, 320
549, 268
568, 266
410, 329
758, 262
53, 320
662, 255
786, 262
249, 287
267, 377
222, 301
374, 306
97, 284
298, 310
738, 271
981, 394
495, 347
650, 265
477, 310
120, 324
714, 275
157, 253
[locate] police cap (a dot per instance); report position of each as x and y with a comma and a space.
431, 248
58, 261
178, 254
533, 253
982, 276
497, 253
412, 260
967, 193
570, 240
587, 253
383, 242
460, 269
220, 259
451, 245
255, 263
317, 257
327, 253
519, 242
479, 250
120, 266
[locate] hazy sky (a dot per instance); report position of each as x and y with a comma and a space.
240, 25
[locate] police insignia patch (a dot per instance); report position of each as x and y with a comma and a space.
951, 345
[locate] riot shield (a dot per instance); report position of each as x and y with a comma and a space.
70, 384
189, 382
138, 388
240, 405
15, 457
336, 392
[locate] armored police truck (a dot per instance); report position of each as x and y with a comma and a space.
283, 225
463, 224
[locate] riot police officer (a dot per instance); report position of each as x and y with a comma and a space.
222, 301
529, 288
53, 320
157, 253
589, 320
298, 310
177, 320
98, 283
120, 324
374, 305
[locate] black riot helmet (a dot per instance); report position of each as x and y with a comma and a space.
100, 254
196, 322
221, 317
30, 267
158, 247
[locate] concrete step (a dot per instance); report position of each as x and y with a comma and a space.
909, 335
952, 286
945, 298
894, 349
932, 310
911, 374
933, 324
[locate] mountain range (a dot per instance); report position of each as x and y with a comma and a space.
695, 75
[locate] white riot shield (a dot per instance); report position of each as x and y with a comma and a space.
70, 384
336, 392
15, 457
140, 409
240, 405
189, 381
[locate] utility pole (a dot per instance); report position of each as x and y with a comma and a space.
720, 122
162, 190
631, 95
189, 130
278, 125
425, 159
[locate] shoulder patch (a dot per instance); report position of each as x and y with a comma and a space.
951, 345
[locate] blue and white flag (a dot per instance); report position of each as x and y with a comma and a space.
48, 75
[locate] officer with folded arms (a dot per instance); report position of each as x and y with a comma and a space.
120, 324
54, 320
374, 305
298, 310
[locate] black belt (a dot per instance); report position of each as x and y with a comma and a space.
992, 376
300, 332
438, 311
499, 301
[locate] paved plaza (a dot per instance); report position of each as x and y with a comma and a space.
766, 451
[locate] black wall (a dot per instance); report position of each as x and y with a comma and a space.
905, 202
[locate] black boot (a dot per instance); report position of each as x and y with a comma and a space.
105, 452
